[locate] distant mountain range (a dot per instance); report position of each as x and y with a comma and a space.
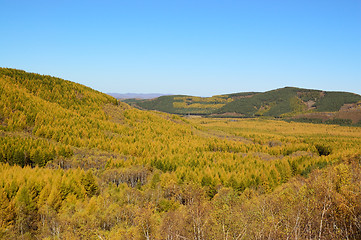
136, 95
289, 103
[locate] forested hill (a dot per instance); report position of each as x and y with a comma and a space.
289, 100
283, 102
78, 164
35, 107
66, 94
184, 104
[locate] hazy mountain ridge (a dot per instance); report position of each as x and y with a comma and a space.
136, 95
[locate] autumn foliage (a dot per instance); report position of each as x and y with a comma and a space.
77, 164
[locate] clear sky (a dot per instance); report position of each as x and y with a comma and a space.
196, 47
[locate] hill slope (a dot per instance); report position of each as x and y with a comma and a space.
285, 102
77, 164
290, 100
36, 107
183, 104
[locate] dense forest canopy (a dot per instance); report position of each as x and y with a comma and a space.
78, 164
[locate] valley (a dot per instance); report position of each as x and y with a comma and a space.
79, 164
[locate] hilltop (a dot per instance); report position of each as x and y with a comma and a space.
61, 117
288, 103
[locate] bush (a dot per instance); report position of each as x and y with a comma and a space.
323, 150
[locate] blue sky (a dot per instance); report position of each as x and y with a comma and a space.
186, 46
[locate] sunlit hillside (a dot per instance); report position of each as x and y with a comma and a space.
78, 164
303, 105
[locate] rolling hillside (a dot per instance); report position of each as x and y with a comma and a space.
183, 104
288, 102
35, 107
78, 164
